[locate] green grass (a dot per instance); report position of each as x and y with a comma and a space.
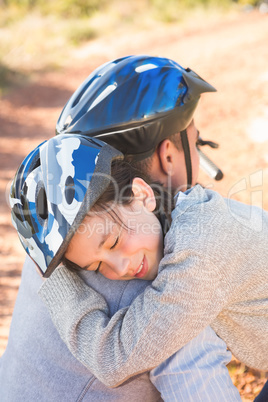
79, 33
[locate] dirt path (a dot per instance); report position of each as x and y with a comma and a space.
231, 54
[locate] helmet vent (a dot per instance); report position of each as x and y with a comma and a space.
35, 163
69, 191
109, 89
79, 96
41, 204
145, 67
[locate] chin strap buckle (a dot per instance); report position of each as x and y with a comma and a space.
201, 143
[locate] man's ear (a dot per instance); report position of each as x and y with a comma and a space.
144, 193
166, 156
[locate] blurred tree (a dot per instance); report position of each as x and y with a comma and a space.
66, 8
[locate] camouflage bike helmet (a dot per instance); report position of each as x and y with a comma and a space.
52, 192
135, 102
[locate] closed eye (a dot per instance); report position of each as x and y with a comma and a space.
113, 246
115, 243
198, 140
98, 268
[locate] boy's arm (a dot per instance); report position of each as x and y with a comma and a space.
195, 282
197, 372
158, 323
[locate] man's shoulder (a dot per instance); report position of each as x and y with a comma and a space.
196, 218
118, 294
197, 204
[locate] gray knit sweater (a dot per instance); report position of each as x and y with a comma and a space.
214, 272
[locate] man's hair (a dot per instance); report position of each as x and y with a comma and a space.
176, 139
145, 164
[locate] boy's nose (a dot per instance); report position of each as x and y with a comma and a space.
121, 266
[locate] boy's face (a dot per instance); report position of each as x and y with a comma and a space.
127, 248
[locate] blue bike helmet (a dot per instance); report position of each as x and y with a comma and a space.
135, 102
52, 192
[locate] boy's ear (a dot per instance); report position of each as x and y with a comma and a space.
144, 193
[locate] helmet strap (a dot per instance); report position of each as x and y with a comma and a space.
187, 157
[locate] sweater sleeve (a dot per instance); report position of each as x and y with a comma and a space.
192, 287
158, 323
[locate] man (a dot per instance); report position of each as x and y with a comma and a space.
143, 106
